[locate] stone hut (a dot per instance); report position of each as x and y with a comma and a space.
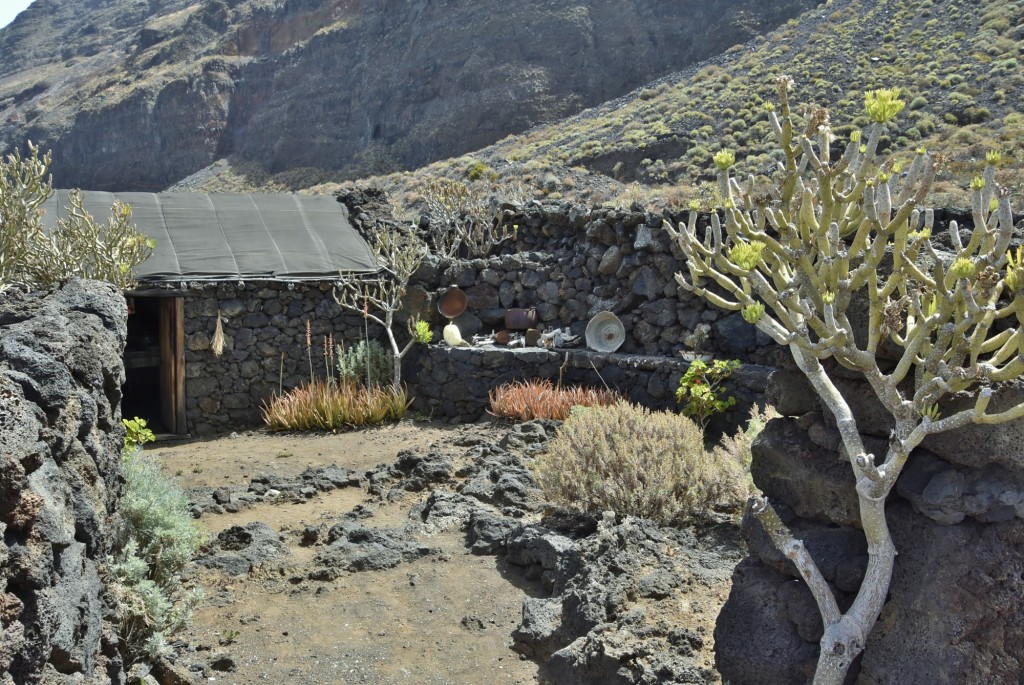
265, 265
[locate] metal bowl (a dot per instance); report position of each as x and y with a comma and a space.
605, 333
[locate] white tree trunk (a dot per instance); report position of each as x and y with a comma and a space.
844, 635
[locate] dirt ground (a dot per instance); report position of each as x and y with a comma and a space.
444, 618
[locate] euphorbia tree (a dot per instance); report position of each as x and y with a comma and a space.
399, 253
792, 261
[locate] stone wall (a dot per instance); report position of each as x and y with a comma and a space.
957, 520
454, 383
568, 261
571, 261
60, 481
264, 326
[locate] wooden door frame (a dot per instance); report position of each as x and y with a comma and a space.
172, 363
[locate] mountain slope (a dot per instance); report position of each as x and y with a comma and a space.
133, 94
957, 62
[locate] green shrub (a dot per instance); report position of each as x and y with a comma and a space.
918, 102
136, 433
156, 538
477, 170
702, 389
322, 405
637, 462
367, 364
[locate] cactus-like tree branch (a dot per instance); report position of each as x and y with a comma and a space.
78, 246
836, 231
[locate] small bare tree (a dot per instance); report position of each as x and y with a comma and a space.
461, 217
379, 297
792, 261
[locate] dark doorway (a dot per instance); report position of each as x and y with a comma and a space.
154, 363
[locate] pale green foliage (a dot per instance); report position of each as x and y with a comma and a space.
633, 461
136, 433
156, 538
884, 104
746, 255
154, 513
421, 332
24, 187
1015, 269
738, 447
367, 363
148, 611
78, 246
724, 159
962, 267
752, 313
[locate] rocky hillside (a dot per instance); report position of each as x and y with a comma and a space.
957, 63
136, 95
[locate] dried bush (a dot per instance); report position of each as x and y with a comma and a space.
737, 447
462, 219
634, 461
541, 399
322, 405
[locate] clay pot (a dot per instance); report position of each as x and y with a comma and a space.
520, 319
452, 303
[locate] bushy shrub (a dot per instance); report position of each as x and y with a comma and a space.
367, 363
702, 389
78, 245
542, 399
633, 461
322, 405
156, 538
737, 447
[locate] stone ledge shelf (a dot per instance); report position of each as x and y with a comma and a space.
453, 383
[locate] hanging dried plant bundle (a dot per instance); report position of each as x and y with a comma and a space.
218, 337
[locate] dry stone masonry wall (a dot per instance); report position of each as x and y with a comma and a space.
264, 326
571, 262
60, 481
454, 383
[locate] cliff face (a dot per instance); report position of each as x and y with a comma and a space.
135, 95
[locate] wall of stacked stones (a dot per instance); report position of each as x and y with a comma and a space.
570, 262
60, 481
454, 383
264, 327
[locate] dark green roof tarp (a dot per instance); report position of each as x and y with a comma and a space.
233, 236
